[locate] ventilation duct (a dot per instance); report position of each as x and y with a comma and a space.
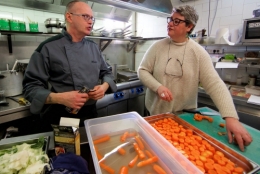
120, 10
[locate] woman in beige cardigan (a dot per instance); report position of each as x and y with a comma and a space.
173, 67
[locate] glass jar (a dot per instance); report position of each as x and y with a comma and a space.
257, 81
14, 25
4, 24
251, 80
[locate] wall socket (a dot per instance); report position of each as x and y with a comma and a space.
215, 51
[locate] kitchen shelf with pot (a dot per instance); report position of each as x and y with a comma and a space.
108, 40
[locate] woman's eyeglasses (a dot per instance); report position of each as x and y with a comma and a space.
175, 21
85, 16
174, 66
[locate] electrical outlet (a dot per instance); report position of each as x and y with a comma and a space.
215, 51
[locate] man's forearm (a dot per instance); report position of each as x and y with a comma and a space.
53, 98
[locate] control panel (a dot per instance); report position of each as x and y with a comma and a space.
119, 95
137, 90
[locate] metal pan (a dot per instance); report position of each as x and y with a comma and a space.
249, 166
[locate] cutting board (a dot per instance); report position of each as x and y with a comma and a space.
251, 152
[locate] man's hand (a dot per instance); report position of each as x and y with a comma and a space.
98, 91
72, 99
234, 127
164, 93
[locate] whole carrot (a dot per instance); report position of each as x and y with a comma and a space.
131, 134
139, 151
99, 156
158, 169
148, 161
102, 139
148, 153
107, 168
121, 151
123, 137
132, 163
139, 142
123, 170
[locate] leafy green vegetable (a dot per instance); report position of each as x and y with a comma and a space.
39, 144
9, 151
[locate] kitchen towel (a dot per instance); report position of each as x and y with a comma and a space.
68, 163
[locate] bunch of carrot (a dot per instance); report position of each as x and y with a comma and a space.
199, 151
145, 157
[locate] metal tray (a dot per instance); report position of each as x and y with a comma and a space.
249, 166
45, 147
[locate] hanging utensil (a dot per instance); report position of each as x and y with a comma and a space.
126, 27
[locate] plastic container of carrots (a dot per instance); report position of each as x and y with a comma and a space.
126, 143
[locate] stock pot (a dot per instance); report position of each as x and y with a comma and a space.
11, 82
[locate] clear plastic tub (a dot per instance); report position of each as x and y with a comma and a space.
170, 159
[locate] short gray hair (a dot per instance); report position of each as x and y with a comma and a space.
69, 6
189, 13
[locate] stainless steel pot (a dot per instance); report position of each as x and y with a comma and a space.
54, 30
54, 22
11, 83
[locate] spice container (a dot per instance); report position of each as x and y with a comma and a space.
33, 27
251, 80
4, 24
22, 26
14, 25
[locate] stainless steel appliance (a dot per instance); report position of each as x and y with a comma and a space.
54, 25
251, 30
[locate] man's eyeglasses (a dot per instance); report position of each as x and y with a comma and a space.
85, 16
175, 21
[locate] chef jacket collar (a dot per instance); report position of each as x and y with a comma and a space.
67, 35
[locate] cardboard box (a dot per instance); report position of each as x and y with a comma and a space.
66, 138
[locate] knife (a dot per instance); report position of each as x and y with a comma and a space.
201, 112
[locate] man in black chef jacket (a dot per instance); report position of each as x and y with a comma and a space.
66, 62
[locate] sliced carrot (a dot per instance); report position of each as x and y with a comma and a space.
239, 170
139, 142
124, 136
222, 124
148, 153
121, 151
158, 169
199, 163
102, 139
209, 166
148, 161
132, 163
230, 167
201, 169
107, 168
219, 153
123, 170
212, 172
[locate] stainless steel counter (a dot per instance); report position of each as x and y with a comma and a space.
15, 111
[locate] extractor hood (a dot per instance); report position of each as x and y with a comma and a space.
120, 10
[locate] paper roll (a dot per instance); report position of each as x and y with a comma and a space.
234, 35
219, 35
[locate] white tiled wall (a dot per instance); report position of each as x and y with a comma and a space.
229, 13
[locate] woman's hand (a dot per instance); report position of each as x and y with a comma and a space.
242, 137
164, 93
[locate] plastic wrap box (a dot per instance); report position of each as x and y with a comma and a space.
168, 155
